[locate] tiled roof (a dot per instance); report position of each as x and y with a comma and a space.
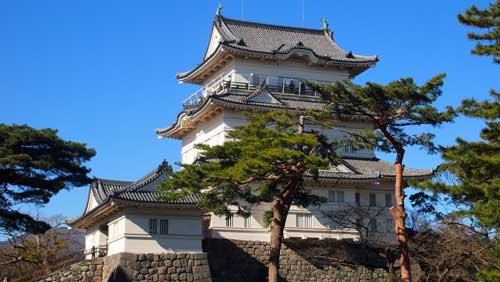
241, 100
289, 103
276, 42
103, 188
153, 197
143, 190
275, 39
376, 166
383, 168
367, 169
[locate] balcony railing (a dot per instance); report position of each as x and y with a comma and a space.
214, 86
224, 83
97, 252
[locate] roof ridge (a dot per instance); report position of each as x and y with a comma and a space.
111, 180
319, 31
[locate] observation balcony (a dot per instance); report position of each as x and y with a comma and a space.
233, 82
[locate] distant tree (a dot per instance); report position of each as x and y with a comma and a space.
28, 253
470, 174
487, 20
449, 253
363, 219
262, 161
34, 166
390, 109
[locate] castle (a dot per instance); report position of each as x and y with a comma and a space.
249, 67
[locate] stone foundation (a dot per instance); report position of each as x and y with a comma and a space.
84, 271
236, 261
189, 267
246, 261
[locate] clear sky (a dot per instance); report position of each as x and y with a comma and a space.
103, 72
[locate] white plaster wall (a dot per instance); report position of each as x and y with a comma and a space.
292, 69
321, 224
231, 119
94, 238
92, 202
116, 232
130, 232
210, 132
213, 43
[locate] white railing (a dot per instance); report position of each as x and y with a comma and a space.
225, 81
284, 85
213, 86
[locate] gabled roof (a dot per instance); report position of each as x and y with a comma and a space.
275, 42
242, 101
142, 191
358, 169
276, 39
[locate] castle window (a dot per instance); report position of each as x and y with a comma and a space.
388, 200
340, 196
357, 198
247, 222
304, 220
229, 220
373, 200
331, 196
163, 227
153, 227
336, 196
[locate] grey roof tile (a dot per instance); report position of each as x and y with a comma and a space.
377, 166
274, 39
153, 197
277, 42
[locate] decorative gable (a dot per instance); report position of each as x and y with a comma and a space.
263, 96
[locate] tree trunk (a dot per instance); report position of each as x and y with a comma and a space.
399, 215
280, 213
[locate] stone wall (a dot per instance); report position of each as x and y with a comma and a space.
84, 271
189, 267
245, 261
237, 261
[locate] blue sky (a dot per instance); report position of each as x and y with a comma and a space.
103, 72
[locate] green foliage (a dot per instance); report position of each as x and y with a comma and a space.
471, 170
390, 108
34, 166
488, 21
257, 164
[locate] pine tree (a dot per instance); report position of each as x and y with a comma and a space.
34, 166
470, 173
263, 161
391, 109
487, 20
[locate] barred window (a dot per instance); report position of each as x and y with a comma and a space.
336, 196
304, 220
388, 200
358, 198
247, 222
340, 196
229, 220
163, 226
153, 227
373, 200
331, 196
